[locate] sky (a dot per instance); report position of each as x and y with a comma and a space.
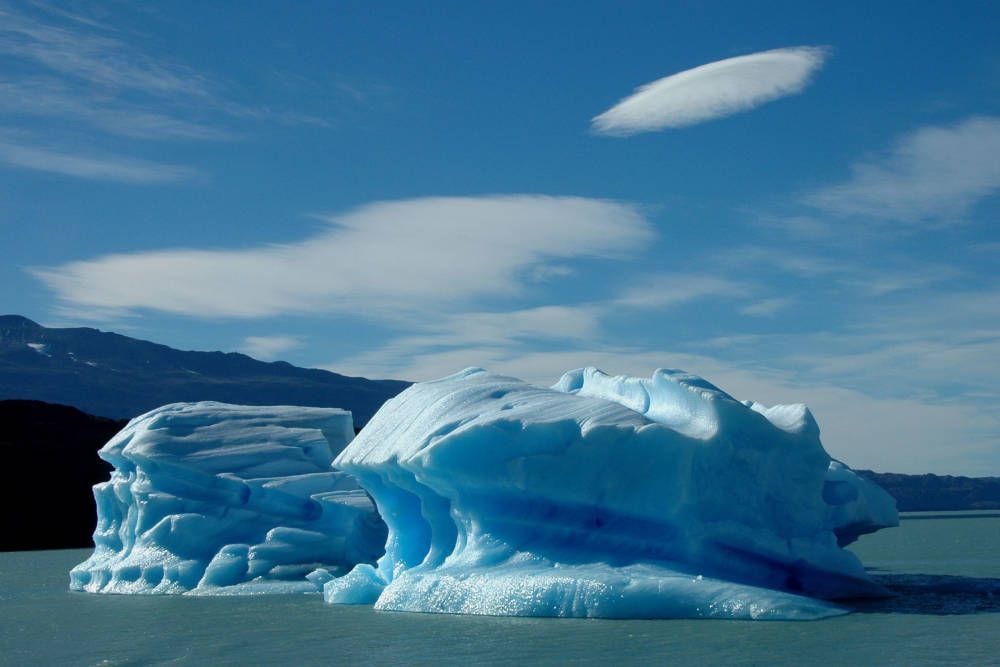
797, 201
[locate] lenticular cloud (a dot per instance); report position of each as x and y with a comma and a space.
386, 256
710, 91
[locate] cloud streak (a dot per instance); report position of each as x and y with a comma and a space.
268, 348
669, 290
95, 58
718, 89
935, 174
85, 76
766, 307
48, 98
112, 168
383, 259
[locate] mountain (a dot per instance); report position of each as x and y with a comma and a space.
50, 462
918, 493
116, 376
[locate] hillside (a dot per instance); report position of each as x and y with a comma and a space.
120, 377
50, 463
916, 493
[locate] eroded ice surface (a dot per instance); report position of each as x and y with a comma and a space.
211, 498
857, 506
603, 496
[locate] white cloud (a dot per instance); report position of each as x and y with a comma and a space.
95, 167
49, 98
669, 290
269, 347
766, 307
69, 16
795, 263
454, 335
875, 279
543, 322
86, 76
796, 226
92, 60
880, 282
382, 259
549, 272
710, 91
934, 174
95, 58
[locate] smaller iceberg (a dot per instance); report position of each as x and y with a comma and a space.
612, 497
210, 498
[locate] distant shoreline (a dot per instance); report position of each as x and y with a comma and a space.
938, 493
959, 514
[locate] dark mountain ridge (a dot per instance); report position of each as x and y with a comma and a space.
120, 377
938, 493
50, 458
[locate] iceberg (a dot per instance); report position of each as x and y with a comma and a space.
210, 498
603, 496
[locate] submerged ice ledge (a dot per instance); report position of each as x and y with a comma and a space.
606, 497
210, 498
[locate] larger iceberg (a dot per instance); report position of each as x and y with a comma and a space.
606, 497
211, 498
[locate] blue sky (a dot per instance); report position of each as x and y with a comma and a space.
806, 212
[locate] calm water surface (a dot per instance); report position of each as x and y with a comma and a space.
945, 568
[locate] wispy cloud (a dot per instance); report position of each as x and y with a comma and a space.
68, 15
87, 76
268, 348
113, 168
669, 290
95, 58
47, 97
803, 227
489, 334
382, 259
934, 344
710, 91
766, 307
935, 174
882, 282
538, 323
784, 259
873, 279
92, 61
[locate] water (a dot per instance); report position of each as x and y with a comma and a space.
945, 568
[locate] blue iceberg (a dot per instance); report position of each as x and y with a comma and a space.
210, 498
606, 496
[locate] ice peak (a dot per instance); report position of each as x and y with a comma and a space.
672, 397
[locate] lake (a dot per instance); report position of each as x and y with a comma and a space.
944, 567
